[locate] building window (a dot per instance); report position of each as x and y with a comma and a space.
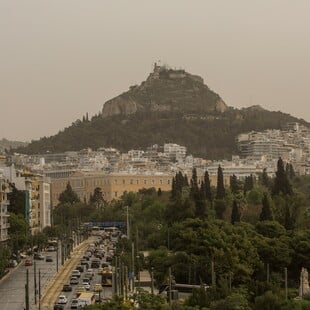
153, 182
131, 181
115, 181
137, 182
161, 182
168, 182
144, 182
115, 194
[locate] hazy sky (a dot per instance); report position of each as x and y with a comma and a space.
60, 59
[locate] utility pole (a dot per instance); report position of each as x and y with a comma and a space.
152, 280
128, 229
133, 265
39, 289
35, 282
285, 276
126, 282
213, 274
57, 254
170, 289
27, 290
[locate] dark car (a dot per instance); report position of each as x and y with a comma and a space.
80, 268
58, 307
49, 258
67, 288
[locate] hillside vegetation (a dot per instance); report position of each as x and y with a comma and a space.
164, 109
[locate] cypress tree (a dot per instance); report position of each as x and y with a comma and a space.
173, 188
248, 183
207, 186
234, 184
194, 185
186, 181
220, 189
235, 213
266, 214
281, 182
265, 179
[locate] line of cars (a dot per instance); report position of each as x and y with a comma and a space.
86, 279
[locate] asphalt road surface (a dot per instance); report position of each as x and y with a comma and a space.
12, 288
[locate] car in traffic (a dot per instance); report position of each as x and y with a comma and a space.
62, 299
80, 289
74, 280
86, 285
100, 270
67, 288
74, 304
98, 288
58, 307
76, 273
49, 258
28, 262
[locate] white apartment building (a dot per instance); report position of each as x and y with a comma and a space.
4, 216
175, 151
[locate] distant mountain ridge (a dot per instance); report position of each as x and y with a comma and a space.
169, 106
7, 144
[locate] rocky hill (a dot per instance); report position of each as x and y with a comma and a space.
166, 90
170, 106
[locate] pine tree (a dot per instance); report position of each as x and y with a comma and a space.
68, 195
235, 213
207, 186
220, 189
266, 214
281, 182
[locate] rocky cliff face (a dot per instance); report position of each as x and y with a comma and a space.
167, 90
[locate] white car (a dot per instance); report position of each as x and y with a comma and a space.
76, 273
86, 285
62, 299
90, 271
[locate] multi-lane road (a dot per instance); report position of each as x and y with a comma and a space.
12, 287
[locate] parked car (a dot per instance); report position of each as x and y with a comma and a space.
67, 288
62, 299
49, 258
74, 280
28, 262
13, 263
38, 256
51, 248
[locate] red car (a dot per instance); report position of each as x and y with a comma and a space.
28, 262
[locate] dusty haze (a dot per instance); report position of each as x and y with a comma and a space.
60, 59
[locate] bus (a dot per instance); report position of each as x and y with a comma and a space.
106, 278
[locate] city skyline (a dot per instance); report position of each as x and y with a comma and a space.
61, 60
